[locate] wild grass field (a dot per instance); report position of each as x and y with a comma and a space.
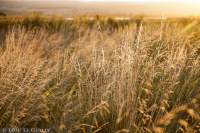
100, 76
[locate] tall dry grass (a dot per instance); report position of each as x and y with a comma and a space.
102, 82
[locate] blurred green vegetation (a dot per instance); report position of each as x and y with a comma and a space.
56, 23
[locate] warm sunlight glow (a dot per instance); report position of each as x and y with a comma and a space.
188, 1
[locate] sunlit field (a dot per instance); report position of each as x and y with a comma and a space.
101, 75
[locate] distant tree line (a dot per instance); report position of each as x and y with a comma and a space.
2, 14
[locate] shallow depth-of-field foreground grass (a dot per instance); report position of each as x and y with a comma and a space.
130, 80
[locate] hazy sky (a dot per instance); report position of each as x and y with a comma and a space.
156, 7
182, 1
185, 1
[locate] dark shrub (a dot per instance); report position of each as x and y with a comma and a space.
3, 14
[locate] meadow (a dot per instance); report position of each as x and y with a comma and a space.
101, 75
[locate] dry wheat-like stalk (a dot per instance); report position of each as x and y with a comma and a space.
95, 81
